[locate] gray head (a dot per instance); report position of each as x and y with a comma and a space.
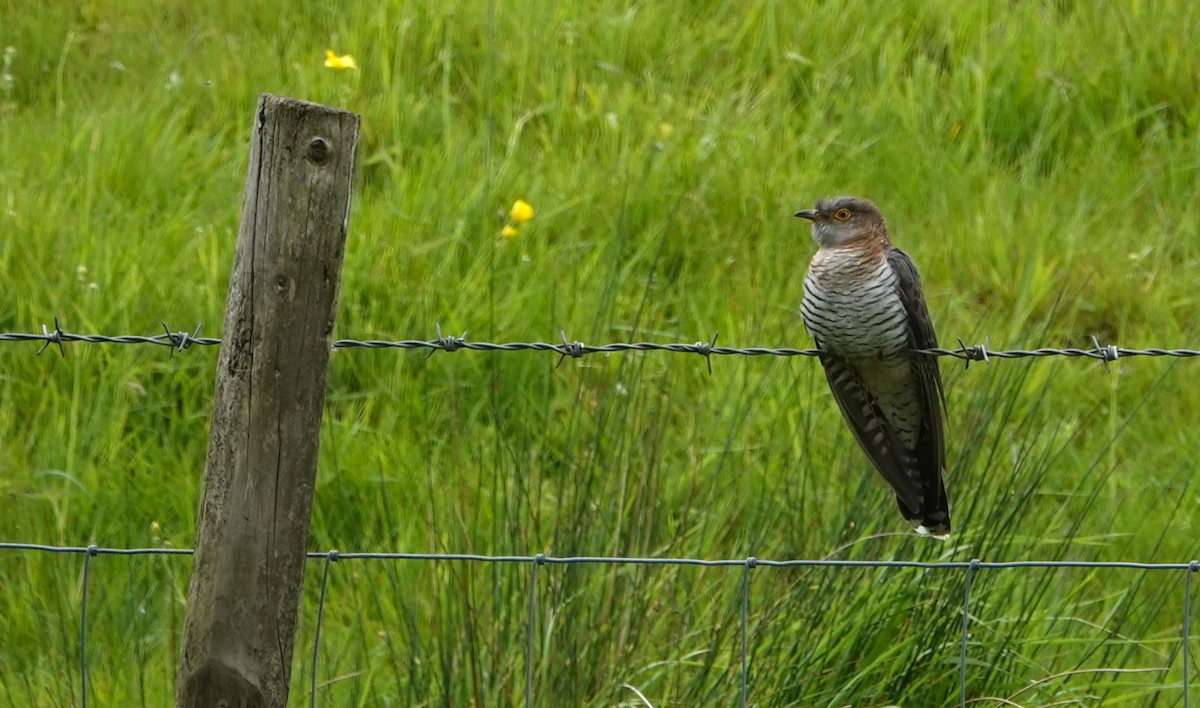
839, 220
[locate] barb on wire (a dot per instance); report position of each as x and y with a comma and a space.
977, 352
55, 337
967, 353
1107, 354
449, 344
705, 349
181, 340
569, 349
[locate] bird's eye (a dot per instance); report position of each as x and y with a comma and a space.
841, 214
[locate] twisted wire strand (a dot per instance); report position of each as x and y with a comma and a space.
182, 340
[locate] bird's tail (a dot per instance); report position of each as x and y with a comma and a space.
936, 525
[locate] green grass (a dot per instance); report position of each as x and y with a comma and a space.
1039, 160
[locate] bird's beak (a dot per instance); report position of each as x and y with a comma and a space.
810, 214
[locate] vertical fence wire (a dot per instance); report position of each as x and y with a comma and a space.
83, 664
529, 626
1186, 633
972, 567
750, 563
329, 559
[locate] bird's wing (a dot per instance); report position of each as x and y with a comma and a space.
930, 450
922, 336
874, 433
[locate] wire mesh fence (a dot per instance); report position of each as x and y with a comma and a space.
535, 562
567, 348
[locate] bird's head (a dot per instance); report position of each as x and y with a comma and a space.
838, 221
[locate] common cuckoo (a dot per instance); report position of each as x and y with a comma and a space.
864, 307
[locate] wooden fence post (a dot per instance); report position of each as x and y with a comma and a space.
252, 534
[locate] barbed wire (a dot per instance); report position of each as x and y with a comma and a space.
967, 353
971, 568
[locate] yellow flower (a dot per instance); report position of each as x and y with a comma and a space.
509, 231
333, 61
521, 211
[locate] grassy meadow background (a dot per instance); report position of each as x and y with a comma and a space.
1039, 160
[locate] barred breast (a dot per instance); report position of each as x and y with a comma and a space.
851, 306
853, 310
